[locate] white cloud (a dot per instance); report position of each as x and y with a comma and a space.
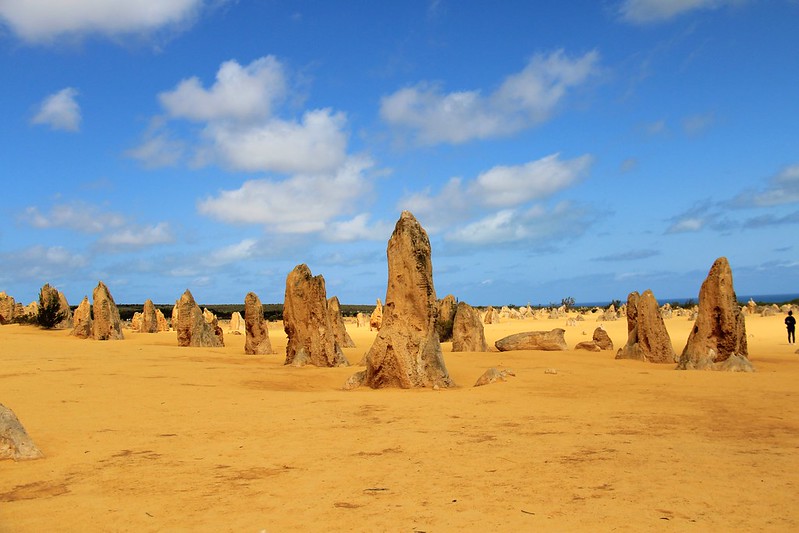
523, 100
241, 129
498, 187
357, 228
504, 186
512, 225
317, 144
76, 216
233, 253
303, 203
138, 237
696, 124
44, 20
239, 93
60, 111
650, 11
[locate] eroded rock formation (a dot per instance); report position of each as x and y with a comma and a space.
82, 320
15, 443
534, 340
192, 328
337, 322
647, 337
256, 332
106, 324
468, 334
306, 321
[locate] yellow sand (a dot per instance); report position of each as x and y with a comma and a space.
141, 435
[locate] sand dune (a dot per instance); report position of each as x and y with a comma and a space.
141, 435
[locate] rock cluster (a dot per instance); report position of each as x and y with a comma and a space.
719, 331
406, 352
306, 321
256, 341
647, 338
447, 307
192, 328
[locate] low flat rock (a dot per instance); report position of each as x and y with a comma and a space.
492, 375
549, 341
589, 346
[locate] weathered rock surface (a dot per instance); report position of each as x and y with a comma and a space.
192, 328
82, 320
311, 339
491, 316
602, 339
8, 308
237, 324
15, 443
446, 317
106, 323
468, 334
337, 322
534, 340
589, 346
361, 320
493, 375
257, 340
161, 320
719, 325
407, 352
647, 337
376, 318
149, 320
135, 321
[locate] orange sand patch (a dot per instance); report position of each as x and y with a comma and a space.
141, 435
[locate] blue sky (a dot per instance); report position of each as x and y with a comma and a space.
550, 149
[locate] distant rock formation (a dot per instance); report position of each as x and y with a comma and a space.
602, 339
361, 320
376, 318
720, 330
255, 327
135, 321
647, 337
237, 325
8, 308
161, 320
468, 334
82, 320
446, 317
590, 346
149, 320
337, 322
311, 340
175, 314
15, 443
106, 323
534, 340
491, 316
407, 352
192, 328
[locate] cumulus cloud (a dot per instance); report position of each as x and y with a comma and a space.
60, 111
158, 148
523, 100
138, 237
239, 251
651, 11
316, 144
357, 228
77, 216
303, 203
240, 126
500, 187
242, 93
45, 20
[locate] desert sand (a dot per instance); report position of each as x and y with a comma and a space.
142, 435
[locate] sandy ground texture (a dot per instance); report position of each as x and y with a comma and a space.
141, 435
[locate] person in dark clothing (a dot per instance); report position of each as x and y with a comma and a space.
790, 322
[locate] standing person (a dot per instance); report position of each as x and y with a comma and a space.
790, 323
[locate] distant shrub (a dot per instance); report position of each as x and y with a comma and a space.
50, 313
